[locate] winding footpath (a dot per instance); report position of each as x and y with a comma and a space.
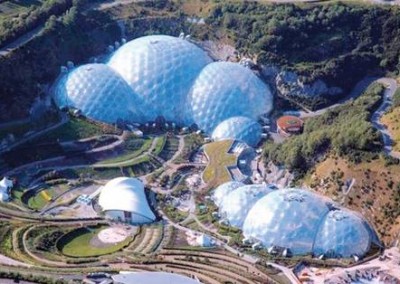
391, 87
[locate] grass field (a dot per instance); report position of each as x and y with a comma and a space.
11, 9
159, 146
216, 171
130, 154
392, 121
76, 128
43, 197
77, 243
373, 193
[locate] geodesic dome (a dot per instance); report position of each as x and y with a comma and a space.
99, 92
161, 69
171, 77
286, 218
235, 205
239, 128
343, 234
297, 220
127, 195
224, 90
223, 190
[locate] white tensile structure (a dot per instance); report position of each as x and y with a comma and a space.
5, 187
127, 277
123, 199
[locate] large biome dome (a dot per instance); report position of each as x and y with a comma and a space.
296, 220
224, 90
164, 76
99, 92
161, 69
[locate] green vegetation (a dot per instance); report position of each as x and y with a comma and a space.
216, 171
78, 243
391, 121
170, 148
134, 147
192, 142
159, 145
76, 35
339, 43
344, 130
76, 128
20, 17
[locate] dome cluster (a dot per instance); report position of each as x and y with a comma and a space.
297, 220
171, 77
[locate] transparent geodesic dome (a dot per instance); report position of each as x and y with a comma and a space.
287, 218
239, 128
224, 90
161, 69
223, 190
298, 220
236, 204
99, 92
343, 234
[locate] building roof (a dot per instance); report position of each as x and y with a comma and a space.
290, 123
152, 278
5, 183
166, 76
295, 219
126, 194
224, 90
161, 69
99, 93
239, 128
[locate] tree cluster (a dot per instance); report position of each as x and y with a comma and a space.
340, 43
344, 131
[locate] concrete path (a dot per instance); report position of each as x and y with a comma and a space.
22, 40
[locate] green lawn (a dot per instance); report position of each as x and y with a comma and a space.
76, 128
129, 154
10, 9
77, 243
216, 171
160, 143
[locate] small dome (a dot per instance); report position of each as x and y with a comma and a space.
343, 234
126, 194
226, 89
239, 128
223, 190
236, 204
161, 69
99, 92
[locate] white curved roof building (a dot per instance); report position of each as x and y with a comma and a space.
123, 199
171, 77
239, 128
296, 220
152, 278
161, 69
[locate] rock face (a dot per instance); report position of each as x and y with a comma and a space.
288, 84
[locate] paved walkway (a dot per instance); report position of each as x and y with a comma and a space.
383, 108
